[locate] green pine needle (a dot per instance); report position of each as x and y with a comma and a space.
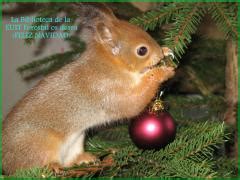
35, 172
162, 15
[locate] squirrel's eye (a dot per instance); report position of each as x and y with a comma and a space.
142, 51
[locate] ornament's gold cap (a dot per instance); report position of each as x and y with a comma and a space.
157, 105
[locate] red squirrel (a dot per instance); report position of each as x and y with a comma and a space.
115, 78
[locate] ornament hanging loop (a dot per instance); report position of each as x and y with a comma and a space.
158, 104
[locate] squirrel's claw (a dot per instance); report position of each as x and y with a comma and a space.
171, 54
168, 52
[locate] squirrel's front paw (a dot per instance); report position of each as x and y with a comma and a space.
168, 52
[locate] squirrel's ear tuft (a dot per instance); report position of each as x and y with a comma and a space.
104, 33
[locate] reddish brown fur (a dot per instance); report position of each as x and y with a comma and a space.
98, 88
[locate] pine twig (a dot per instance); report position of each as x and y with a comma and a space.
197, 81
225, 19
163, 14
86, 170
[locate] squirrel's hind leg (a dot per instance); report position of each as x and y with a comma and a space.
72, 151
43, 147
36, 148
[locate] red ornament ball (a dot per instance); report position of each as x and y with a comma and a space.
152, 130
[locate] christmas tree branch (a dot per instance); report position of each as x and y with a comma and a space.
196, 80
188, 135
185, 25
225, 19
163, 14
188, 168
204, 147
